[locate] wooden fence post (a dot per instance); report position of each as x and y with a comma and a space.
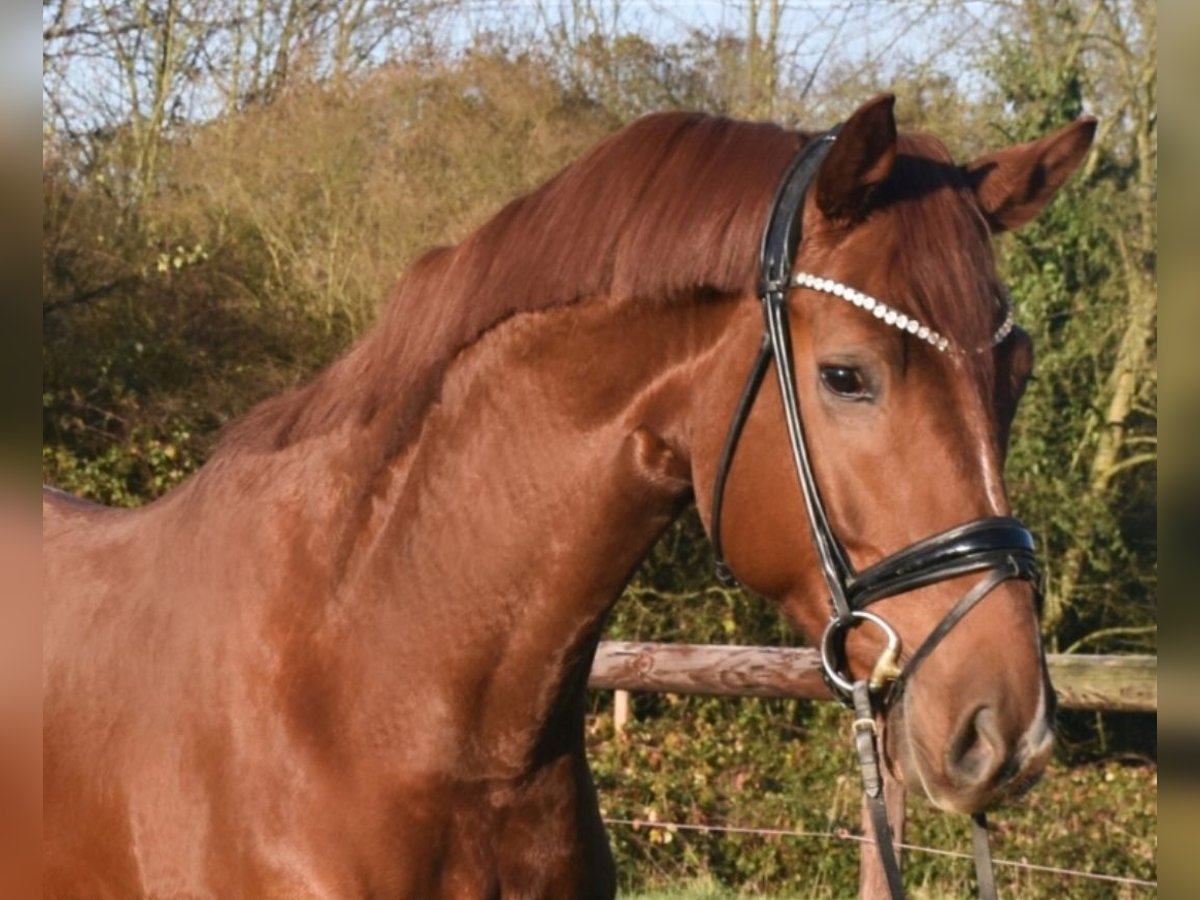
620, 712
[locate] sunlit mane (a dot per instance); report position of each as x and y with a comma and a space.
670, 207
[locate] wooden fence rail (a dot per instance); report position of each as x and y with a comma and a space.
1107, 683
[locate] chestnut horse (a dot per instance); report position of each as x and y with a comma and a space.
349, 656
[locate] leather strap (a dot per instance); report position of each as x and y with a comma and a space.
834, 565
740, 413
872, 781
780, 240
985, 874
971, 547
965, 604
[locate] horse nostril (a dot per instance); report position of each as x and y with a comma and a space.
977, 753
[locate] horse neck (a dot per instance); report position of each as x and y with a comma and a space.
556, 455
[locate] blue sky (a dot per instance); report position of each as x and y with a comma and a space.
852, 31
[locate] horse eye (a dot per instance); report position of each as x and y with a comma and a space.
845, 381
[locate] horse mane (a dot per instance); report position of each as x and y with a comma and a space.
667, 208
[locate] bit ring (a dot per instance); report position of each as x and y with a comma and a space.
886, 668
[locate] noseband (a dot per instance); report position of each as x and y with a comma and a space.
1001, 547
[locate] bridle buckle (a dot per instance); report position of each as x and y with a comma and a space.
887, 668
864, 725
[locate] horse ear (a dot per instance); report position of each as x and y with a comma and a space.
860, 159
1012, 185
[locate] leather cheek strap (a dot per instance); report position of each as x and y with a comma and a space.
998, 575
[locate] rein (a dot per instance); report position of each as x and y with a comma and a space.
999, 546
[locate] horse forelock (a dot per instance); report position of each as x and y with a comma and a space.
943, 269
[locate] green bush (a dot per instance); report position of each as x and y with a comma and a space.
788, 765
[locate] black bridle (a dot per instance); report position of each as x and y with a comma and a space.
999, 546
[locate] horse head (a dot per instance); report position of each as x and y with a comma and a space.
904, 374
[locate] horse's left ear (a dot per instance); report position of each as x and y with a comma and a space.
1012, 185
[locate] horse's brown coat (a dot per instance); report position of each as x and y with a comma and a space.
348, 657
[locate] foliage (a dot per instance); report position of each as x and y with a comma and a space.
1084, 275
787, 765
266, 249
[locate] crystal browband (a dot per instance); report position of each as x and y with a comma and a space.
891, 316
